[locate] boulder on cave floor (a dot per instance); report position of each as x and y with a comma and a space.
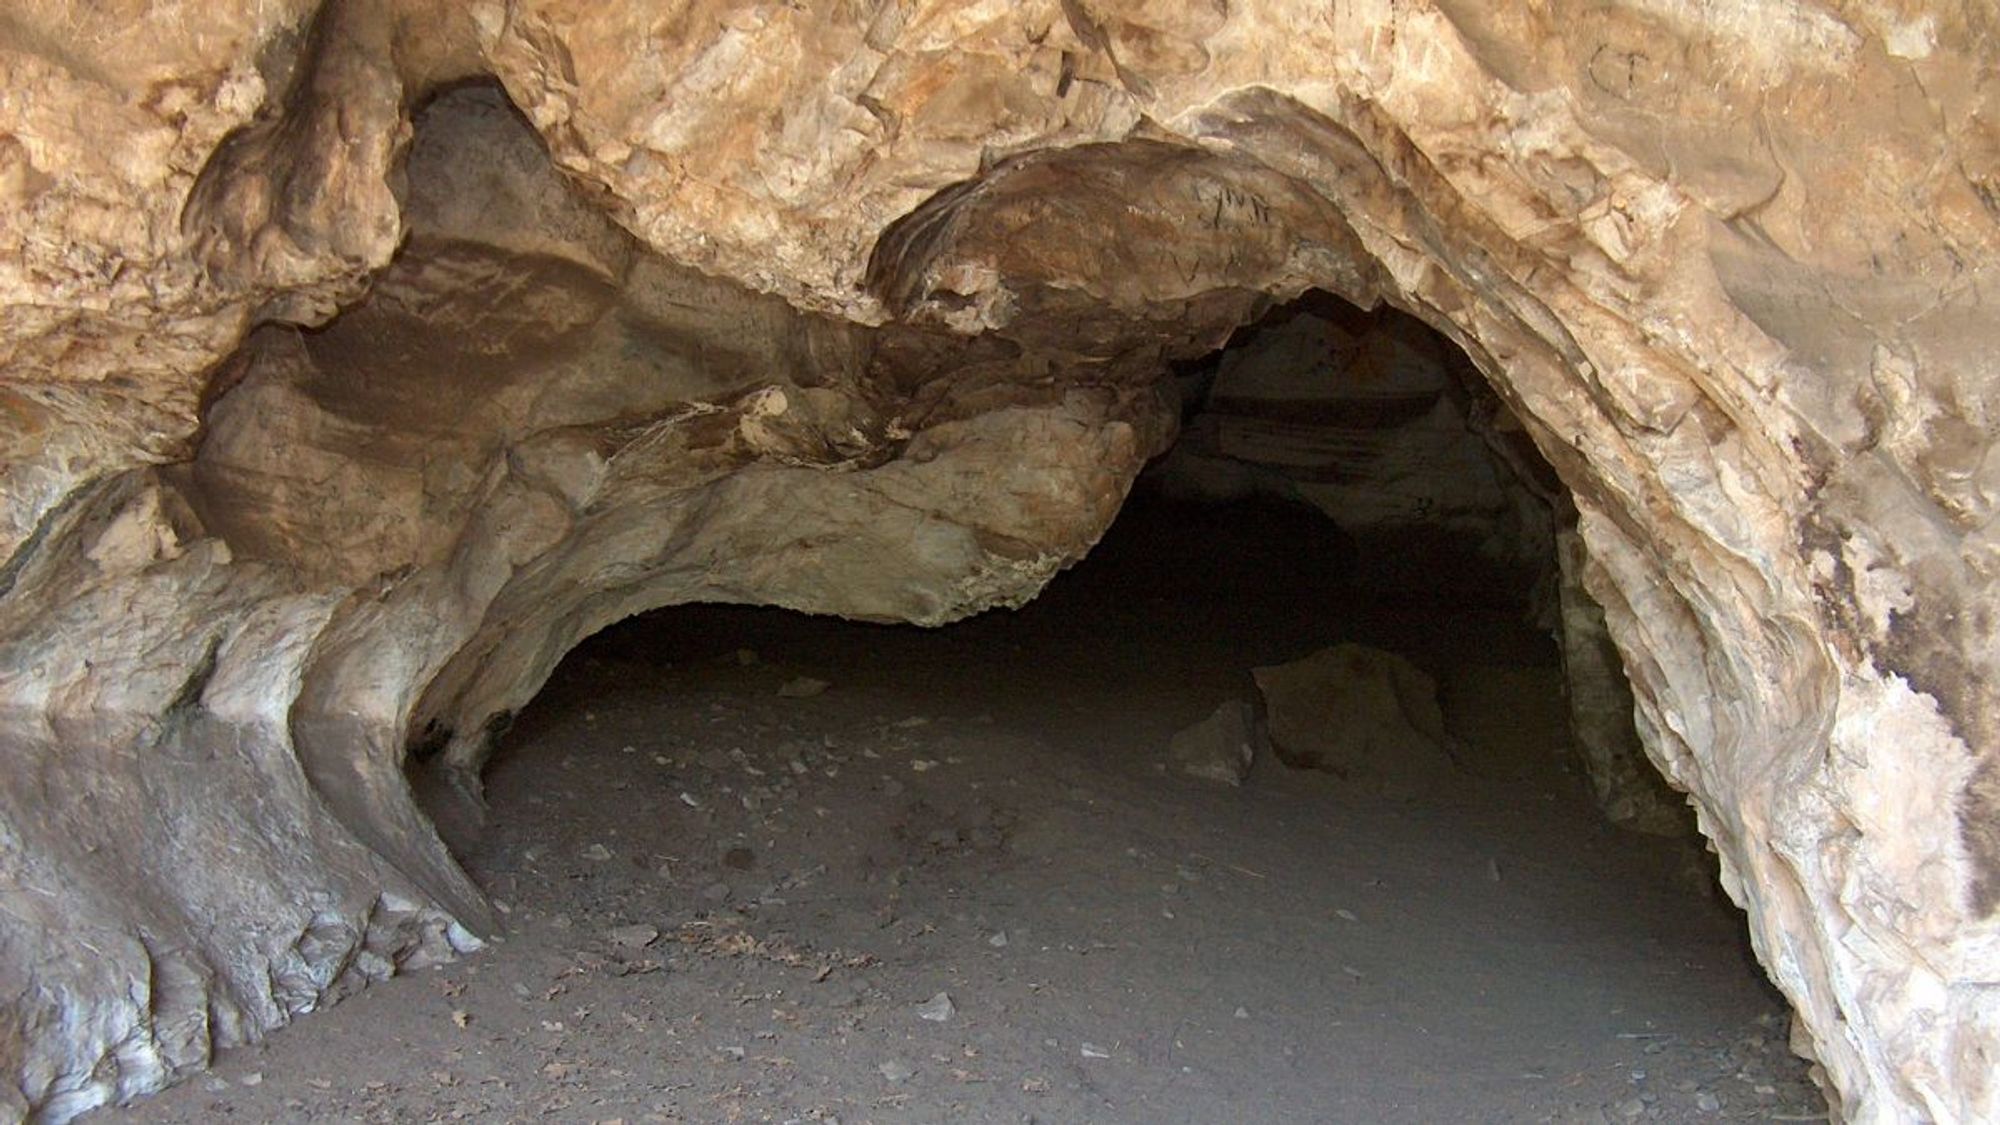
1222, 747
1359, 713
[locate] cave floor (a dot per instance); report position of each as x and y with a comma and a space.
980, 811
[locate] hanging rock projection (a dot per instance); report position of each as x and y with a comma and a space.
357, 359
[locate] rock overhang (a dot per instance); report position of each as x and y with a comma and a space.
1762, 380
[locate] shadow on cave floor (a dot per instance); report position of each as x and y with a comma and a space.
732, 902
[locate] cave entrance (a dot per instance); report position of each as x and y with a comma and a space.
759, 865
833, 824
830, 824
765, 866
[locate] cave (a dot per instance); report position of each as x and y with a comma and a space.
378, 375
741, 849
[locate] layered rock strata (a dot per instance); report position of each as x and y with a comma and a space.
892, 283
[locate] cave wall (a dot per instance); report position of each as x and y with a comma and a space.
1727, 266
1380, 424
1363, 416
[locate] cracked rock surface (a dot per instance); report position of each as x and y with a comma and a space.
358, 359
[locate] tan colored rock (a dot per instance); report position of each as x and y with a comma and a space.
1725, 263
1629, 790
1366, 716
1222, 747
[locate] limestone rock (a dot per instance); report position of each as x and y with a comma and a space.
1361, 714
638, 935
1365, 417
1222, 747
875, 327
1627, 787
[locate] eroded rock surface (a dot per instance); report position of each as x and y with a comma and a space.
1362, 416
1600, 708
1364, 715
1727, 265
1222, 747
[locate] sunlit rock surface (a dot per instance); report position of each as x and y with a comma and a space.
861, 309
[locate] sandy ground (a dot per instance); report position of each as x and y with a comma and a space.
733, 903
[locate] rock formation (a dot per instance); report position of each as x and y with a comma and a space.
337, 401
1364, 416
1364, 715
1223, 747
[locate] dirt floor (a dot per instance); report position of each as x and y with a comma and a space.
731, 900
